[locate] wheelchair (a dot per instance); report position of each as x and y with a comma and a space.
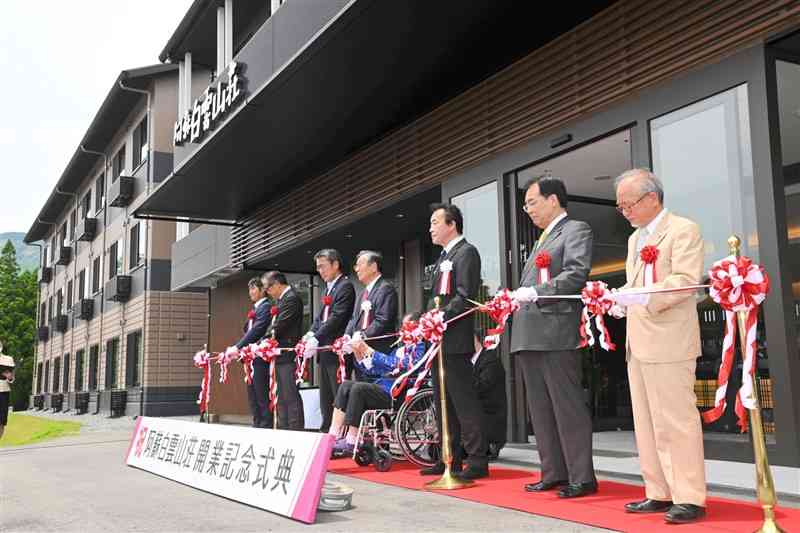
404, 433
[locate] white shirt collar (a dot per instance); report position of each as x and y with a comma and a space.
330, 284
651, 227
372, 283
553, 223
452, 243
288, 287
259, 302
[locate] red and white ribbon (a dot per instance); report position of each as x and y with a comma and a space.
268, 350
737, 285
432, 326
246, 356
409, 336
366, 307
423, 363
326, 307
445, 267
202, 360
251, 315
542, 262
300, 362
225, 358
649, 255
597, 302
338, 348
499, 309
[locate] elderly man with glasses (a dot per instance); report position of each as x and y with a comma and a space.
663, 342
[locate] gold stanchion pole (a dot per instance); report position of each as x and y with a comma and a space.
765, 488
448, 481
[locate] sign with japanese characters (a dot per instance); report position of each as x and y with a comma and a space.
216, 101
279, 471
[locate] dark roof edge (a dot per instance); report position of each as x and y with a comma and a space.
131, 74
189, 19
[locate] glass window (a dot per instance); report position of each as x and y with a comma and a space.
66, 372
100, 193
118, 164
82, 285
69, 295
702, 154
86, 205
96, 275
112, 353
47, 376
94, 367
57, 374
73, 216
79, 370
136, 244
140, 147
133, 360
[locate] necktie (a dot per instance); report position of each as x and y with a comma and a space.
542, 238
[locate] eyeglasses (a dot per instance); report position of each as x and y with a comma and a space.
527, 207
628, 207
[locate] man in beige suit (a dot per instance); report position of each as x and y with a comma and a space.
663, 342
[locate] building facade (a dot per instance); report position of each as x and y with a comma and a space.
356, 115
112, 337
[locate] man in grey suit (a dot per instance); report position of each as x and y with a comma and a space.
545, 338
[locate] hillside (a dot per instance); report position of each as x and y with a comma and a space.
27, 256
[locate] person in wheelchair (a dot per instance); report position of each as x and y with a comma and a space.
354, 397
489, 381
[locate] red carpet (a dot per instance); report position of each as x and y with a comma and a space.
604, 509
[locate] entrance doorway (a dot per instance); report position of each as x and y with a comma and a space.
588, 173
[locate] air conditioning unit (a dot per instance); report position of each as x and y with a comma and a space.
61, 322
121, 192
118, 288
86, 229
64, 255
45, 275
43, 333
84, 309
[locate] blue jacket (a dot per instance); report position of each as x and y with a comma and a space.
383, 365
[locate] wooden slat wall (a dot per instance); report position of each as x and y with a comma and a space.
632, 45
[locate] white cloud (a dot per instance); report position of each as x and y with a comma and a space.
58, 60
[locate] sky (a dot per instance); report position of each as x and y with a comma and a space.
58, 60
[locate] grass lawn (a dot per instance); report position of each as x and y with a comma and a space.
22, 429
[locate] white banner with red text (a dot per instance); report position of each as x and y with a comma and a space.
275, 470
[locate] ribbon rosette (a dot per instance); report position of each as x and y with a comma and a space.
432, 326
542, 262
326, 307
251, 315
596, 303
649, 255
202, 359
366, 307
499, 309
737, 285
338, 348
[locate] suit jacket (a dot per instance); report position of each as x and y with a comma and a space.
343, 294
383, 319
668, 328
288, 326
465, 283
551, 325
259, 328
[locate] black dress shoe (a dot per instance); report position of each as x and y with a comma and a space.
544, 485
683, 513
648, 506
474, 472
576, 490
438, 469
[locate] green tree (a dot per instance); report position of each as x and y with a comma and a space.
18, 322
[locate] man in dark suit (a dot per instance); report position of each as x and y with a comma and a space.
330, 324
286, 329
254, 329
545, 338
375, 312
489, 381
457, 279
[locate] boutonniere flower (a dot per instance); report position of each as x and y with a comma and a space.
649, 255
273, 310
542, 262
327, 300
251, 315
366, 306
445, 267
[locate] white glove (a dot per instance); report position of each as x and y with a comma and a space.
311, 346
348, 343
307, 336
626, 299
526, 295
617, 311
